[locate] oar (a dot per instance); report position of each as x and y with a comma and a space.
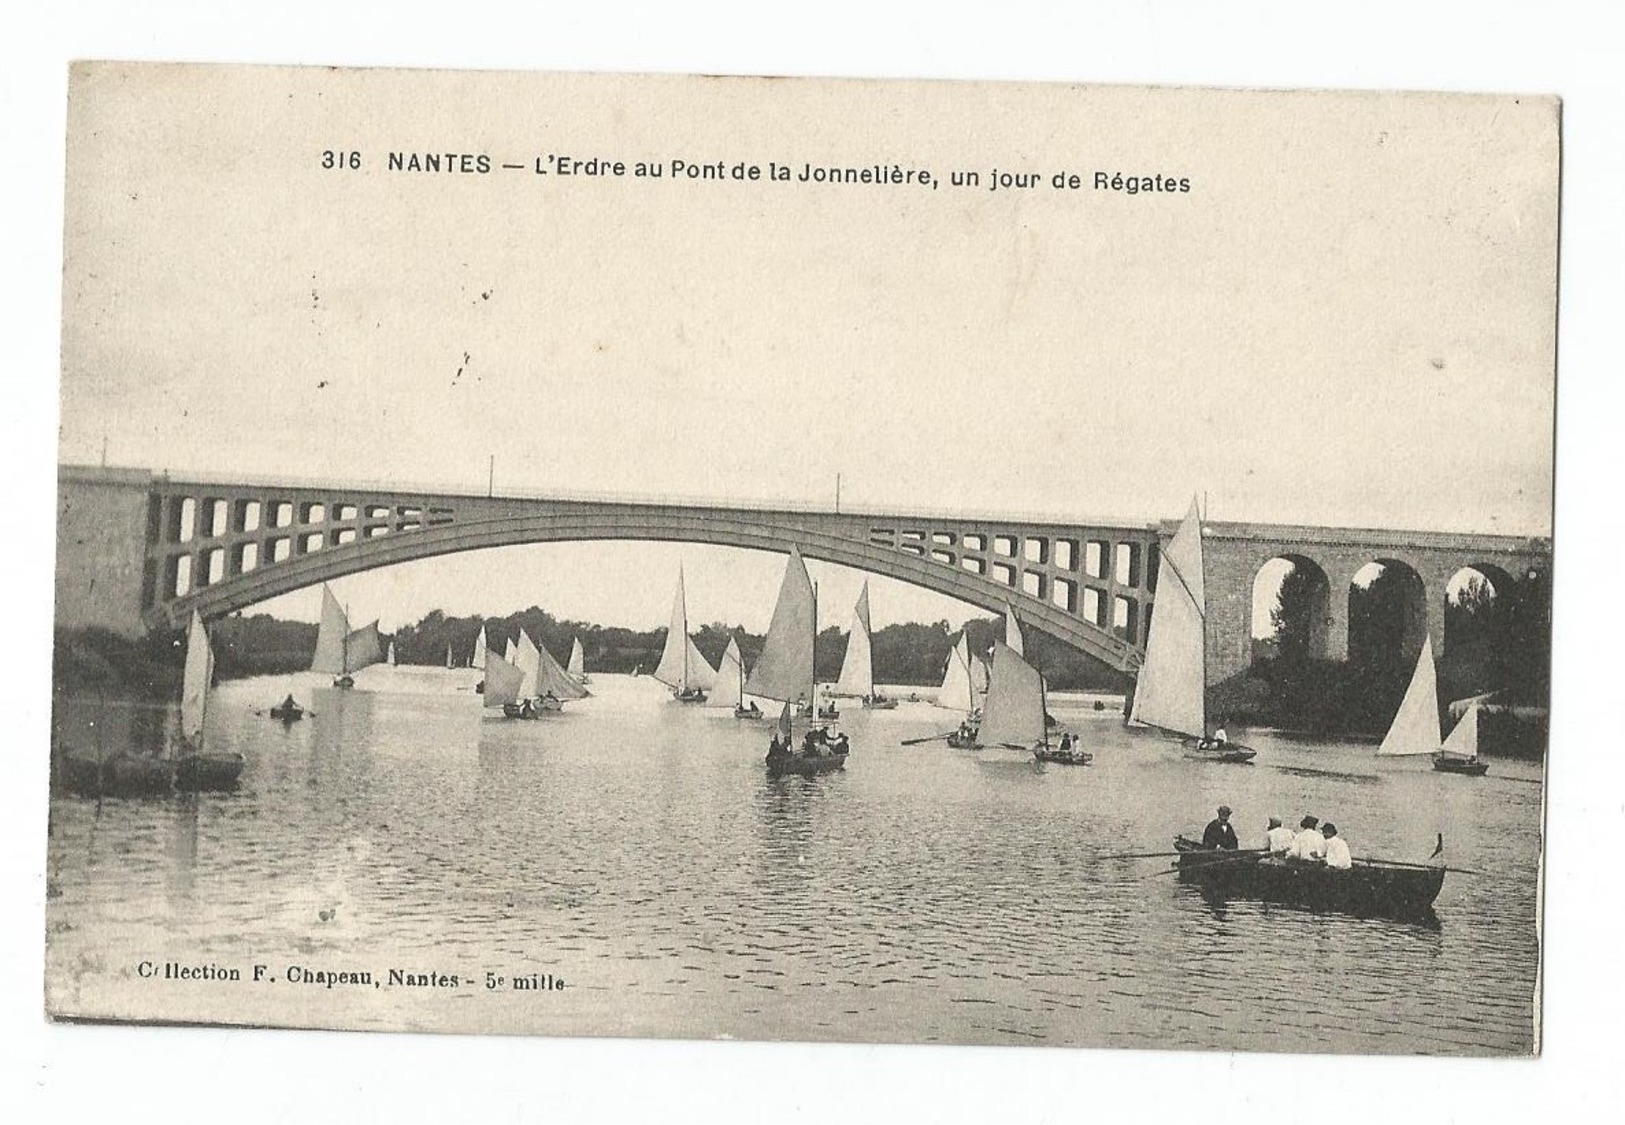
1419, 866
1169, 855
1251, 855
928, 738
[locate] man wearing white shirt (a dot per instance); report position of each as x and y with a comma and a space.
1337, 851
1278, 839
1308, 845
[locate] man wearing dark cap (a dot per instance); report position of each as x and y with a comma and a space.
1219, 834
1309, 844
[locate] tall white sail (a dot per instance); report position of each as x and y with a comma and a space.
554, 680
502, 681
1012, 630
955, 693
363, 648
785, 670
391, 659
857, 670
578, 659
511, 652
479, 650
698, 669
730, 687
1415, 729
1463, 741
330, 636
529, 661
673, 668
448, 656
1014, 713
195, 683
1170, 690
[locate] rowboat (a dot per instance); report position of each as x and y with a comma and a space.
1373, 887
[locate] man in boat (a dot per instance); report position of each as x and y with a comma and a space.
841, 745
1308, 846
1278, 839
1337, 849
1066, 743
1219, 833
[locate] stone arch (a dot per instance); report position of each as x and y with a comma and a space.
1387, 613
1292, 608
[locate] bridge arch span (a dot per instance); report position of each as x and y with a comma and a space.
752, 533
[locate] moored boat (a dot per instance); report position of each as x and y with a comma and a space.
1371, 887
1170, 691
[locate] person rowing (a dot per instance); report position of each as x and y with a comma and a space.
1308, 846
1278, 838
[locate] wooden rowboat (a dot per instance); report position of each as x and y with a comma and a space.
1370, 887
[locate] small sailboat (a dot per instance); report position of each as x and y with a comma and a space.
1015, 711
682, 667
478, 660
390, 659
857, 670
959, 693
578, 662
785, 673
448, 655
503, 680
1415, 729
730, 686
195, 769
554, 685
340, 652
1171, 690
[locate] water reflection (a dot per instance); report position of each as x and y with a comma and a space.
921, 894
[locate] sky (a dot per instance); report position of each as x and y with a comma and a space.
1348, 320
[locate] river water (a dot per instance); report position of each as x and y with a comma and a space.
635, 850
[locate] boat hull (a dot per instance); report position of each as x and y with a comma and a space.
1367, 889
117, 775
963, 741
804, 765
880, 704
213, 773
749, 713
1063, 757
288, 714
1471, 767
692, 695
1230, 752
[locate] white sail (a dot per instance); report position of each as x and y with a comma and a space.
1014, 713
1170, 690
673, 668
785, 670
528, 659
479, 650
699, 671
1012, 631
955, 693
554, 680
1463, 740
195, 683
391, 660
448, 656
330, 636
1415, 729
857, 670
730, 687
502, 681
363, 648
578, 659
511, 652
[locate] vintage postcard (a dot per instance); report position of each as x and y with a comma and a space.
784, 559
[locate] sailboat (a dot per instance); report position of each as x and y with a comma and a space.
1415, 729
730, 686
340, 652
390, 660
857, 670
448, 655
785, 673
1015, 713
503, 680
478, 660
555, 686
682, 667
578, 662
194, 768
1171, 689
958, 693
